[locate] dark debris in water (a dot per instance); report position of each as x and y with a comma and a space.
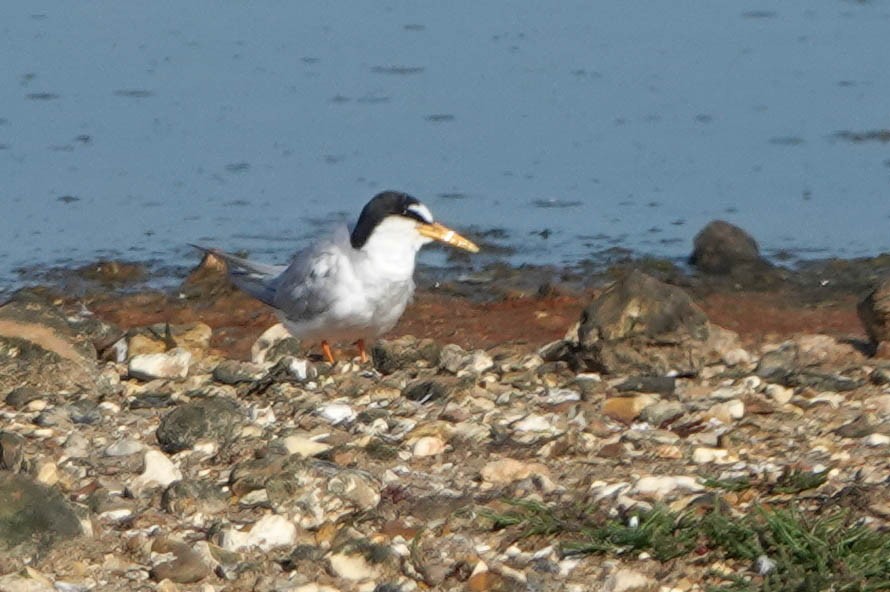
553, 203
882, 135
237, 167
398, 70
439, 117
133, 93
42, 96
67, 199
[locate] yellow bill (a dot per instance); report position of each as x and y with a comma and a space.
444, 234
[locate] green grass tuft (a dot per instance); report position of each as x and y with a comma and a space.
831, 551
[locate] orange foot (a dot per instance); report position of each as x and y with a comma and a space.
328, 354
362, 355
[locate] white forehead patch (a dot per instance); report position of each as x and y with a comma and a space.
422, 211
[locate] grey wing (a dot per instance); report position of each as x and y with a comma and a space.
307, 288
257, 279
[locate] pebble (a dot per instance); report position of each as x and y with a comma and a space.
428, 446
703, 455
627, 409
728, 411
269, 532
508, 470
303, 446
173, 364
779, 393
876, 440
124, 447
661, 487
159, 471
337, 413
627, 580
352, 567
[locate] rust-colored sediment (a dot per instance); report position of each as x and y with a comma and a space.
238, 320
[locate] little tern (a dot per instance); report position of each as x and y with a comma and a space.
352, 286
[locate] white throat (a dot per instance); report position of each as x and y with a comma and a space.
392, 248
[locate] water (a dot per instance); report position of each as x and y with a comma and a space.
128, 130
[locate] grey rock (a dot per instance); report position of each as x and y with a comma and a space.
424, 391
778, 364
236, 371
184, 498
215, 419
21, 396
389, 356
662, 412
31, 512
12, 451
880, 376
84, 411
662, 385
824, 382
186, 567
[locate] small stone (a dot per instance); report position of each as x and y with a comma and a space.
728, 411
236, 372
662, 412
660, 385
778, 364
159, 471
17, 398
269, 532
627, 580
195, 337
124, 447
187, 497
704, 455
217, 418
352, 567
140, 344
876, 440
337, 413
187, 566
508, 470
428, 446
779, 393
275, 343
737, 357
660, 487
390, 356
305, 447
627, 409
173, 364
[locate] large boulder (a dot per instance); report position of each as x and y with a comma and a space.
874, 312
721, 247
33, 513
640, 325
40, 349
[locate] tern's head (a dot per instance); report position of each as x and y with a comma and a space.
394, 217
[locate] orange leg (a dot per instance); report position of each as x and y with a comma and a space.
328, 354
362, 354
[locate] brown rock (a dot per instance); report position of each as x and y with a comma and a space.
640, 325
874, 312
627, 409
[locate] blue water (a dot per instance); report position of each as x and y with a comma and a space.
130, 129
